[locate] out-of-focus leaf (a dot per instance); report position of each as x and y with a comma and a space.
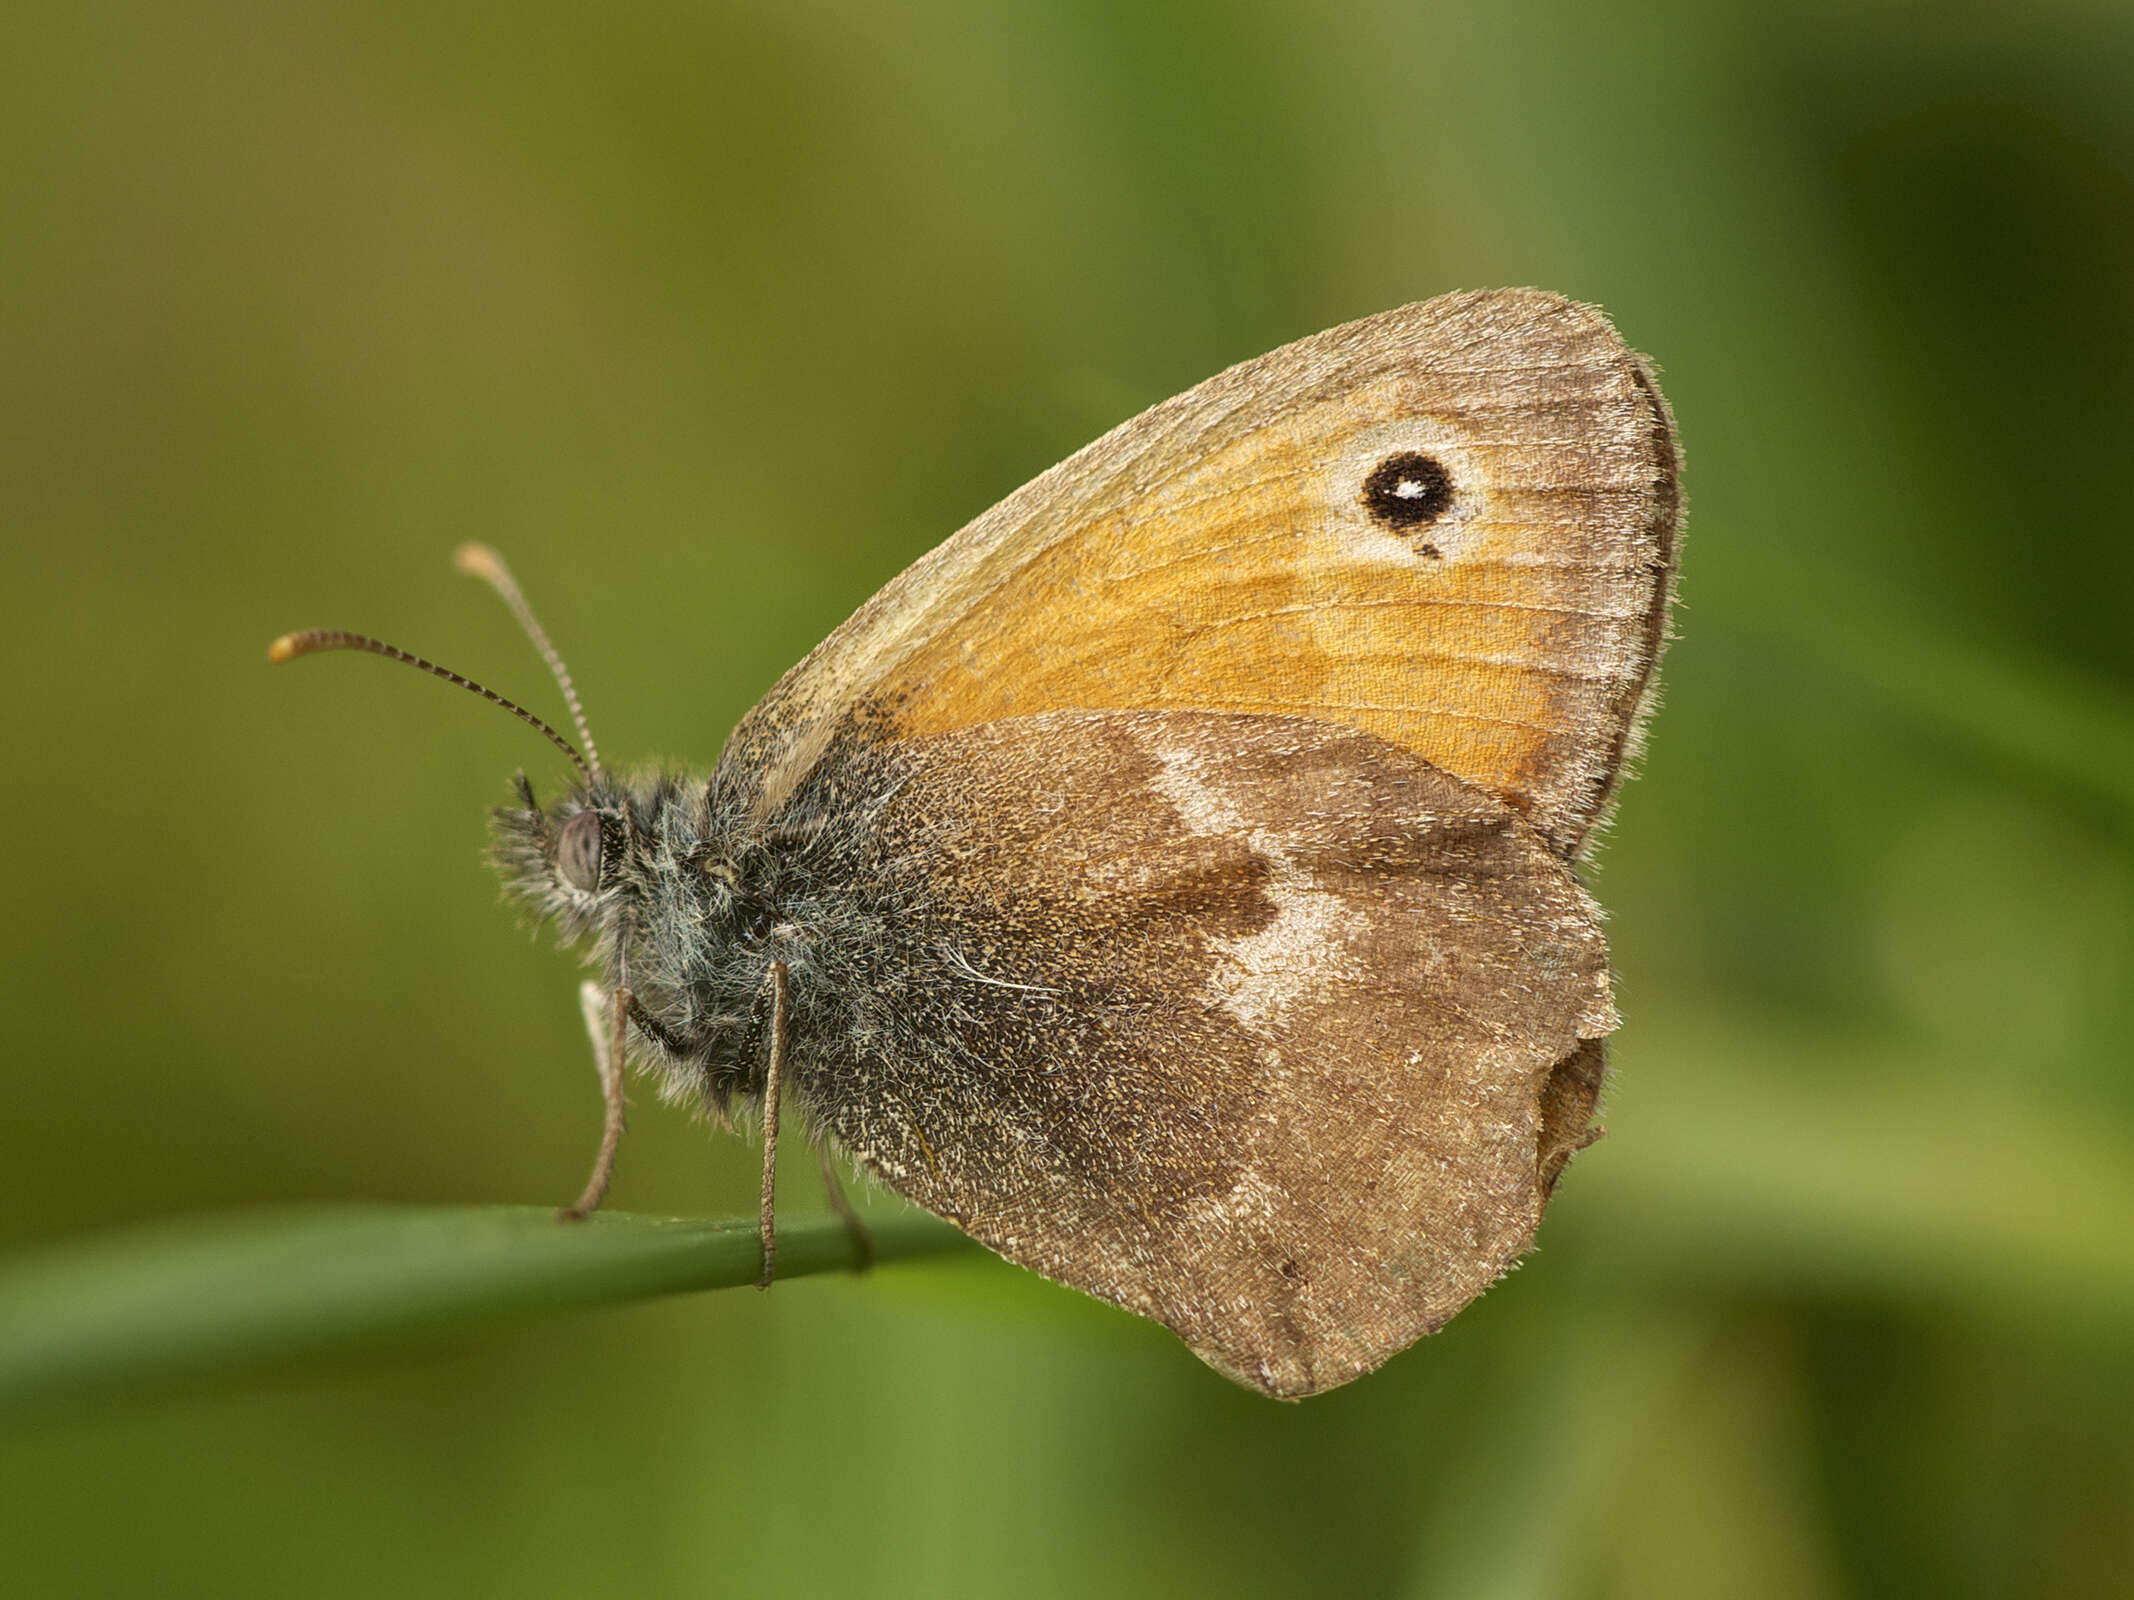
2048, 718
1748, 1154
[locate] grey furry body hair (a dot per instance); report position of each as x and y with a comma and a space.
698, 894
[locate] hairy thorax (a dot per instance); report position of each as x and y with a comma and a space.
698, 893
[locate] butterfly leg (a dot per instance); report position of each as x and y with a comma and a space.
766, 1218
604, 1015
862, 1240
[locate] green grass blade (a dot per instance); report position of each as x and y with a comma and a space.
217, 1296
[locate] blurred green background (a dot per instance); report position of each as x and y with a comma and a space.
712, 317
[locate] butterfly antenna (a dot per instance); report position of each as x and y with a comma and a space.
312, 641
479, 561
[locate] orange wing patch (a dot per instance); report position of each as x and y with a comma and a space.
1451, 526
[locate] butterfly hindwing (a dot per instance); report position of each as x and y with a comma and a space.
1248, 1023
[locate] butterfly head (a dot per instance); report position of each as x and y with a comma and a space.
683, 902
579, 861
683, 918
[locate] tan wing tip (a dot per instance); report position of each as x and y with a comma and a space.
1522, 312
1530, 301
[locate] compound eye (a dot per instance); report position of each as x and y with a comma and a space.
578, 852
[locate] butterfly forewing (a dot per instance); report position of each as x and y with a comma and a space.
1451, 525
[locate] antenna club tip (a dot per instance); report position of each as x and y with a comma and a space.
478, 561
287, 648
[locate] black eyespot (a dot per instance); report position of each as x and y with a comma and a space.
578, 852
1408, 490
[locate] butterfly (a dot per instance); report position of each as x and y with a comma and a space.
1172, 879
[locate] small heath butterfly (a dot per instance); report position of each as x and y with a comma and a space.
1171, 880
